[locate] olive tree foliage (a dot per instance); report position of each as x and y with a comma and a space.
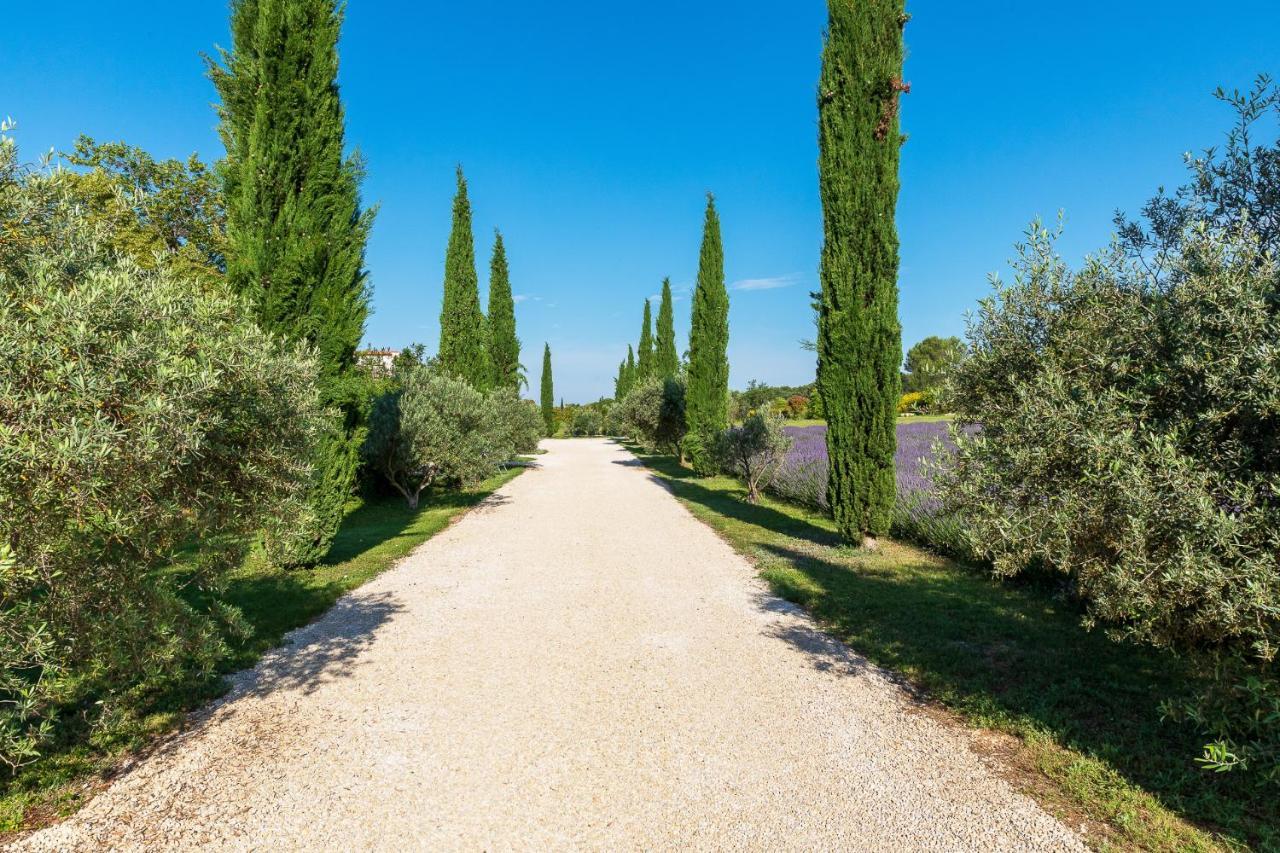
139, 411
1129, 418
436, 428
1232, 186
754, 451
519, 420
1128, 441
586, 422
653, 413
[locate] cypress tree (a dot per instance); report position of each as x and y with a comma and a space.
296, 232
620, 383
504, 346
859, 338
644, 362
666, 362
631, 369
548, 392
707, 396
463, 352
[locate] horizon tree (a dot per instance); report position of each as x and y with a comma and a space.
931, 362
296, 231
504, 346
707, 396
463, 352
644, 358
859, 337
548, 392
666, 361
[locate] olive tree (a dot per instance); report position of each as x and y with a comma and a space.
140, 412
435, 428
1128, 440
653, 413
754, 451
520, 420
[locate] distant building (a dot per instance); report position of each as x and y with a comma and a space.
379, 362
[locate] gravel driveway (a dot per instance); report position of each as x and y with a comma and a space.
578, 663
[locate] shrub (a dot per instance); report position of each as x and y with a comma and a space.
613, 423
754, 451
139, 413
797, 406
586, 421
653, 413
1128, 439
639, 411
909, 403
519, 420
925, 402
435, 428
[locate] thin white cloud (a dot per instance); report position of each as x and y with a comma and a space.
768, 283
525, 297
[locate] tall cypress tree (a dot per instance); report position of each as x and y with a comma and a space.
859, 338
707, 397
463, 352
632, 369
666, 362
296, 232
548, 392
620, 383
504, 346
644, 361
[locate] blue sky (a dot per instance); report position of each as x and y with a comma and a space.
591, 137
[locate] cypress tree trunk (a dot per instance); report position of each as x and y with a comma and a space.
463, 351
708, 390
504, 346
666, 362
548, 392
296, 232
859, 338
644, 362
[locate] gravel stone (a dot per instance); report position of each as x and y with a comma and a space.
577, 663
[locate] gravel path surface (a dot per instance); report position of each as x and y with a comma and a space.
578, 663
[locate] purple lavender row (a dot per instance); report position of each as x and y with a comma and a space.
803, 476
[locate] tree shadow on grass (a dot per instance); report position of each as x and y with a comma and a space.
383, 519
734, 505
1011, 658
323, 652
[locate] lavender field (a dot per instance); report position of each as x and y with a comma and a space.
803, 478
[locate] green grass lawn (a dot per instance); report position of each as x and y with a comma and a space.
1078, 714
925, 419
373, 537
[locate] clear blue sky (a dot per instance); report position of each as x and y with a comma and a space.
590, 133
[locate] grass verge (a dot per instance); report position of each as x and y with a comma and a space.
374, 536
1072, 715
